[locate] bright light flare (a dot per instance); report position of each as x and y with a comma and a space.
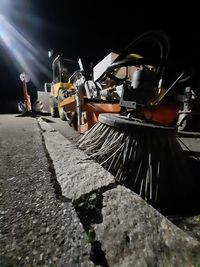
24, 55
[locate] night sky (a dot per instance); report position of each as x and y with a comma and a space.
88, 30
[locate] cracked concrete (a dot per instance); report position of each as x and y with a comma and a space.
126, 230
75, 171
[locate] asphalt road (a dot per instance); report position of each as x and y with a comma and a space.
37, 228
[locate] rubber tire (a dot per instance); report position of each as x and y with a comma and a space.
72, 121
53, 107
53, 112
184, 125
61, 111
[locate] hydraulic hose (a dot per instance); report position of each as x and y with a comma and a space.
158, 37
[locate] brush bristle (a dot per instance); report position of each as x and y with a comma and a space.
151, 163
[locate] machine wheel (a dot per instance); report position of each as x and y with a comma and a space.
72, 120
75, 122
61, 111
53, 108
54, 112
184, 125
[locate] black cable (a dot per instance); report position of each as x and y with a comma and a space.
155, 36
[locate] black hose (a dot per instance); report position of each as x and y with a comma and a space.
156, 36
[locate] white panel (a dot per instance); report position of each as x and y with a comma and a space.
99, 69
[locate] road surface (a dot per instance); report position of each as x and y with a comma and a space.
41, 224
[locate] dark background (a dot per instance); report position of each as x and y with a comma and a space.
90, 30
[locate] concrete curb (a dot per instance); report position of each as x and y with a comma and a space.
122, 228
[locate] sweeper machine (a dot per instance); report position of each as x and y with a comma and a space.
75, 99
148, 87
130, 114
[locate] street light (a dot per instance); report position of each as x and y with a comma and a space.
25, 54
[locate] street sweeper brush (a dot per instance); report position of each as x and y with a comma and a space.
138, 145
143, 157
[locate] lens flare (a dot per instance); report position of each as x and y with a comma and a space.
25, 55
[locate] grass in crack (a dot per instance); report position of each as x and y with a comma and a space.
89, 209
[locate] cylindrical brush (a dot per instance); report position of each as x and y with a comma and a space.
144, 157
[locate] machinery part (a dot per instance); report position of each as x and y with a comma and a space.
165, 114
53, 103
62, 94
61, 112
183, 124
153, 37
72, 120
62, 70
144, 157
149, 91
78, 81
184, 114
79, 100
147, 83
133, 62
92, 89
139, 145
38, 106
